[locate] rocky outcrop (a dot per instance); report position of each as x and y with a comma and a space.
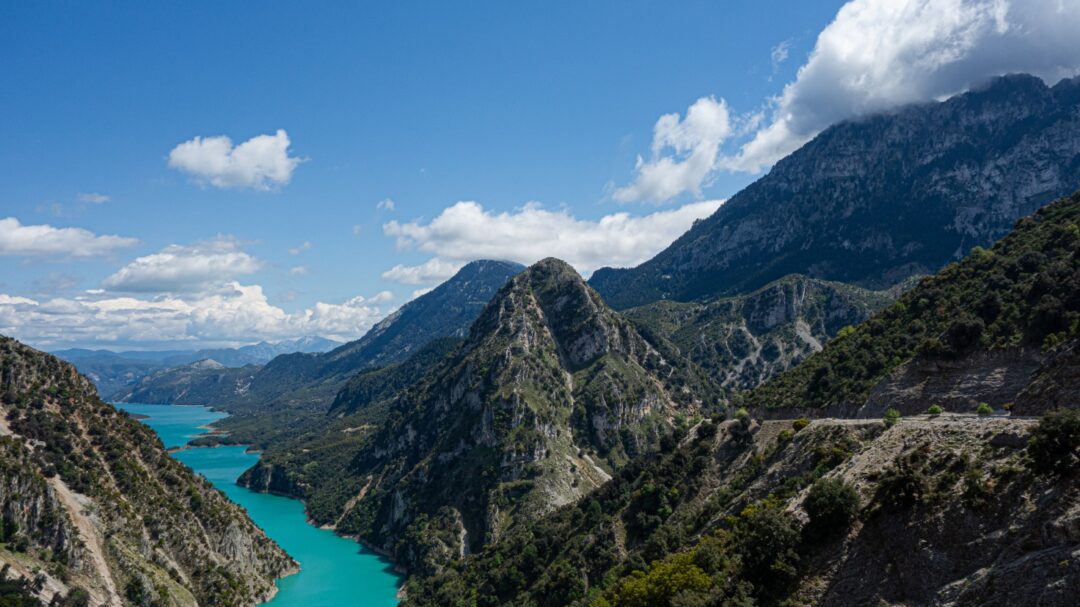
93, 503
744, 340
874, 200
551, 391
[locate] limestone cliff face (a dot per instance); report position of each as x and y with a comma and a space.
550, 393
744, 340
874, 200
91, 501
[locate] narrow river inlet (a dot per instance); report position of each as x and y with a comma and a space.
334, 571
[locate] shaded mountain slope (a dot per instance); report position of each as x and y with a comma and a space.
874, 200
982, 330
550, 393
92, 502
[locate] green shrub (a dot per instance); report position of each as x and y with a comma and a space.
891, 417
831, 505
935, 410
800, 423
1054, 445
984, 409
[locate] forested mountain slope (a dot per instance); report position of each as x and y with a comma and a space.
550, 393
927, 509
93, 506
989, 328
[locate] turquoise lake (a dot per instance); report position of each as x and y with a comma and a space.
335, 571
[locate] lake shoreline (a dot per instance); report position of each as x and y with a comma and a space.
334, 569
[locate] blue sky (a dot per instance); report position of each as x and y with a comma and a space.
538, 112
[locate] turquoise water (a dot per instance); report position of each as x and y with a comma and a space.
334, 571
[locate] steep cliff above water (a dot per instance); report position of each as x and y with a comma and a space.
93, 504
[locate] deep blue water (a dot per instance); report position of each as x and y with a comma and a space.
335, 571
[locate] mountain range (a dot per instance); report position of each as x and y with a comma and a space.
876, 507
875, 200
114, 373
856, 383
311, 380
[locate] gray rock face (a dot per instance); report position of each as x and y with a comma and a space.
876, 200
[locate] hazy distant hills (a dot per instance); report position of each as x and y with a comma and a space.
115, 372
312, 380
874, 200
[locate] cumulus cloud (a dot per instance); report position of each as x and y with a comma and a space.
298, 270
45, 240
433, 270
262, 162
684, 152
92, 198
234, 313
465, 232
184, 268
386, 204
880, 54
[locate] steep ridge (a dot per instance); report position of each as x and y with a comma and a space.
874, 200
93, 505
311, 380
550, 393
744, 340
938, 509
984, 329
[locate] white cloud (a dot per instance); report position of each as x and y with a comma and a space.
386, 204
880, 54
184, 268
92, 198
298, 270
684, 152
262, 162
357, 229
300, 249
231, 314
779, 54
432, 271
465, 232
45, 240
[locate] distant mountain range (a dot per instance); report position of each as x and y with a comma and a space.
114, 372
311, 380
874, 200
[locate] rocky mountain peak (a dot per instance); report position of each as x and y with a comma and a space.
875, 200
